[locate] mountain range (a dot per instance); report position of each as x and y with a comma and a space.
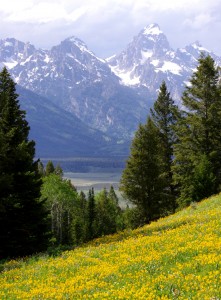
80, 105
149, 59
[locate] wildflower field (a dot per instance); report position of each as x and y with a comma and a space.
178, 257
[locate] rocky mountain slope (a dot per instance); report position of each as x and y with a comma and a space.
59, 133
70, 84
73, 78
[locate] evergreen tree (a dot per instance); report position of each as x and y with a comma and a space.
203, 180
199, 133
83, 213
58, 171
83, 204
91, 214
107, 212
80, 222
49, 168
41, 169
165, 115
23, 219
112, 195
119, 220
140, 182
131, 217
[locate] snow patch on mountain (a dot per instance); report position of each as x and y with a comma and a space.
155, 62
10, 63
169, 66
127, 77
199, 47
8, 44
46, 59
145, 55
152, 29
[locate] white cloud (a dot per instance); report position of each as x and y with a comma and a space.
108, 25
41, 12
8, 7
77, 13
184, 5
51, 10
199, 21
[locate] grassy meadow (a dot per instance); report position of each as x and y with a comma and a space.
178, 257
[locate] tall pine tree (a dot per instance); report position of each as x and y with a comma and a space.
23, 219
165, 115
140, 182
198, 153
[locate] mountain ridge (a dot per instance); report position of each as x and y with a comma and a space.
73, 78
112, 96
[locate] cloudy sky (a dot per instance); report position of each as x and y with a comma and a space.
107, 26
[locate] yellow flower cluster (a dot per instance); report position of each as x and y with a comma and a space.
178, 257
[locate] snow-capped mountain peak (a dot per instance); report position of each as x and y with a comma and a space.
151, 37
152, 29
149, 59
73, 40
13, 52
143, 55
77, 42
196, 45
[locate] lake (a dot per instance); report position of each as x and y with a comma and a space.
85, 181
99, 181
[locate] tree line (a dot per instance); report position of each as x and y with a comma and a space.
175, 159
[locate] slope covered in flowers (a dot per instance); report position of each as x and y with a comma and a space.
178, 257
